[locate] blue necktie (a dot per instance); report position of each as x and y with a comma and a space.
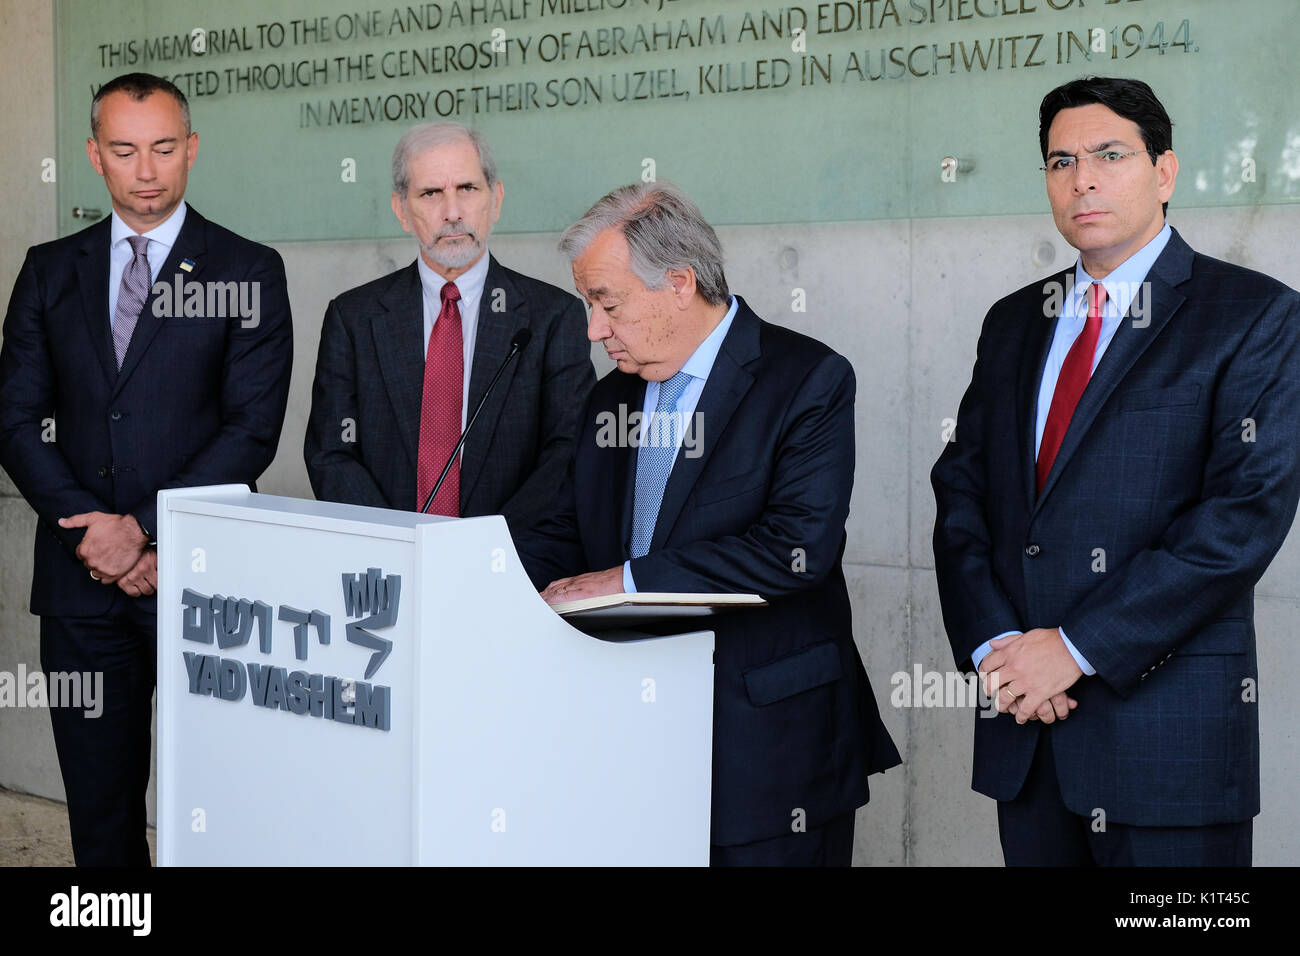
654, 461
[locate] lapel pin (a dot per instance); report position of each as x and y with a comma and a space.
187, 265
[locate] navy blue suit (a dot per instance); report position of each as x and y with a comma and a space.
1175, 485
199, 400
760, 510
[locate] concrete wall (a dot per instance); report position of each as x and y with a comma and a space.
27, 760
903, 300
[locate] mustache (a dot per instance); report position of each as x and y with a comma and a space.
454, 228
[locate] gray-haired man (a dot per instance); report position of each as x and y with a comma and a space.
405, 359
749, 494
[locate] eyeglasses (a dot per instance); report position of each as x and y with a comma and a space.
1103, 161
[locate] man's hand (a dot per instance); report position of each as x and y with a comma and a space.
112, 544
142, 579
593, 584
1057, 707
1033, 670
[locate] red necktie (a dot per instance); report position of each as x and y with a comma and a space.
1075, 372
440, 408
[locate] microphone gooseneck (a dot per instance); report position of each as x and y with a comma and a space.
517, 345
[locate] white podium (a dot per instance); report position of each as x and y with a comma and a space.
341, 685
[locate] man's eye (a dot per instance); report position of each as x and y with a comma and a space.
1063, 162
122, 155
1110, 156
166, 152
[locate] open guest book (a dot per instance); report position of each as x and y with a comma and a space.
627, 610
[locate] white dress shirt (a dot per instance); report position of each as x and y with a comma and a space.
161, 239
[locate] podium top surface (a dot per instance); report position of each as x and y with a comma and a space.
236, 501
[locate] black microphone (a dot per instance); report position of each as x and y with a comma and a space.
517, 344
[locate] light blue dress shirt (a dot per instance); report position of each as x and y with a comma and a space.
161, 239
1121, 287
698, 366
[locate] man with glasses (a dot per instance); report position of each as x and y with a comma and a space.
1123, 471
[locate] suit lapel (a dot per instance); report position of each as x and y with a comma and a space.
1038, 343
191, 244
92, 280
397, 329
727, 384
491, 346
623, 480
1172, 268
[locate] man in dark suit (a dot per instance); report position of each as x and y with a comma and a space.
112, 388
406, 359
1124, 469
737, 479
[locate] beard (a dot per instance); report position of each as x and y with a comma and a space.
454, 255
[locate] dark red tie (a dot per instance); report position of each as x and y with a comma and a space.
1075, 372
440, 408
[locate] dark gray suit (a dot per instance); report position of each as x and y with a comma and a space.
370, 371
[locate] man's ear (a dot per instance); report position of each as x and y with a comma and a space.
92, 153
399, 210
498, 195
683, 283
191, 150
1166, 173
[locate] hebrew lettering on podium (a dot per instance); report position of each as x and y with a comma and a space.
302, 620
229, 620
377, 596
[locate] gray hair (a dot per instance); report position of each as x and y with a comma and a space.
427, 136
664, 230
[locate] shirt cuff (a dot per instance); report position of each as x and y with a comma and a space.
982, 651
1079, 659
629, 586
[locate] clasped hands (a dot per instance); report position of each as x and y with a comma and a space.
1031, 671
1027, 675
114, 551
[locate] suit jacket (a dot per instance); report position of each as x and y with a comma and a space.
199, 399
1175, 485
761, 510
370, 369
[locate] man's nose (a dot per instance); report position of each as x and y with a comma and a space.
1085, 176
145, 167
597, 327
451, 206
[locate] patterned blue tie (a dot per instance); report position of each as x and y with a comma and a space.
654, 461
